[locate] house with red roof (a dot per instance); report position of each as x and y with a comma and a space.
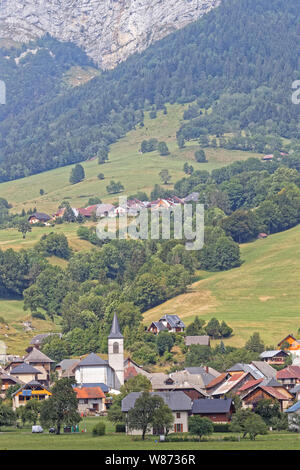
289, 377
91, 400
255, 390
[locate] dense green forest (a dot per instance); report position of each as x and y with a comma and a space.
236, 65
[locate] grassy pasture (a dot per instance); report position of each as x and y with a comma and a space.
262, 295
23, 439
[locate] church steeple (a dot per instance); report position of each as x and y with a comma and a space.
116, 352
115, 332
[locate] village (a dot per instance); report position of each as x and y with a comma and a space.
193, 391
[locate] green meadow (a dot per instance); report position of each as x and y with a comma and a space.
137, 172
262, 295
21, 439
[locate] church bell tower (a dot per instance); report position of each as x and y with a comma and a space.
116, 352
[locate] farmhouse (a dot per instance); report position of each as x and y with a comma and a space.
254, 391
276, 357
218, 411
294, 344
42, 363
25, 372
31, 391
91, 400
170, 323
203, 340
38, 217
179, 403
289, 377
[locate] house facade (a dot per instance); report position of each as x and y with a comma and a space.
179, 403
30, 391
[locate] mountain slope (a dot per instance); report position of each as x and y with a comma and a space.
262, 295
225, 61
109, 31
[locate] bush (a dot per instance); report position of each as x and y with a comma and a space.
99, 429
38, 315
120, 427
221, 427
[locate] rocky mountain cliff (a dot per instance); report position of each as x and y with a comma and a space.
108, 30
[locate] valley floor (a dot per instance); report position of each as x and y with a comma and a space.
24, 439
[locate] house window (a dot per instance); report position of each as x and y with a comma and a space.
116, 348
178, 427
177, 415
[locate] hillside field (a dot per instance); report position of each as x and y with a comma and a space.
262, 295
137, 172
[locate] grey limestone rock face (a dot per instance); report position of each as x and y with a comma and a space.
108, 30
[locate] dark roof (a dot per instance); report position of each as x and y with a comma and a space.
40, 216
25, 369
173, 320
103, 386
176, 401
115, 329
159, 325
207, 405
92, 360
36, 356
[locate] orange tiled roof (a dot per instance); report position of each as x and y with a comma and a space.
89, 392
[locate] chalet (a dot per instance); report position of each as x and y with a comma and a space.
156, 327
7, 381
231, 384
276, 357
254, 391
179, 403
31, 391
42, 363
173, 323
91, 400
38, 217
218, 411
289, 376
25, 373
203, 340
294, 344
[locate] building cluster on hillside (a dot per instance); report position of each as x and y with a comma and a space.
131, 208
201, 390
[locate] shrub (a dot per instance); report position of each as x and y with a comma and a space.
38, 315
120, 427
221, 427
99, 429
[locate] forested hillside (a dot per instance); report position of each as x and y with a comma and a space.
236, 65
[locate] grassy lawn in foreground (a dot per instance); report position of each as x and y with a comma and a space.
24, 439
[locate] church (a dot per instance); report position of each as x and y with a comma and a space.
108, 374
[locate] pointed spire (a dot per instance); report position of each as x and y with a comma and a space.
115, 329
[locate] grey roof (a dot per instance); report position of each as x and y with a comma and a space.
208, 405
115, 329
103, 208
36, 356
176, 401
203, 340
269, 354
271, 383
40, 216
206, 377
67, 363
5, 376
265, 368
256, 373
92, 360
103, 386
38, 339
25, 369
173, 320
159, 325
193, 197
